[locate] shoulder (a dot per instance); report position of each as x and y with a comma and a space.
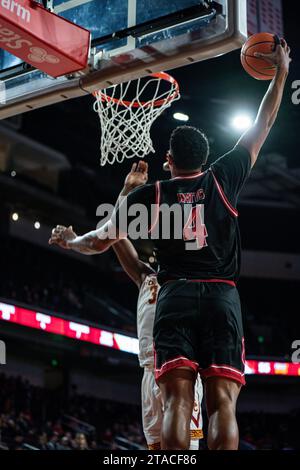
231, 171
237, 155
142, 194
146, 188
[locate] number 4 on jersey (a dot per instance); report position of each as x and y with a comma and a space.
195, 228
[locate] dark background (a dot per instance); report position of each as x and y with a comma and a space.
96, 290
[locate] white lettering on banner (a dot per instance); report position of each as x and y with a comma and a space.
127, 344
106, 339
80, 329
40, 55
264, 367
17, 9
248, 369
12, 40
7, 311
35, 54
43, 320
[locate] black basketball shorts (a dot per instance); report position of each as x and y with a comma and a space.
198, 324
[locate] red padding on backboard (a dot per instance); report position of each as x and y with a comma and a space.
45, 40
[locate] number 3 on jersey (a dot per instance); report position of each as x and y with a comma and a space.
195, 228
153, 286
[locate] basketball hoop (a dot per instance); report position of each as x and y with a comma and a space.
127, 113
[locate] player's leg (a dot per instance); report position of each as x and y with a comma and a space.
221, 397
175, 366
221, 361
177, 388
152, 414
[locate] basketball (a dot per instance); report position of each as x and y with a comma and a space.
257, 67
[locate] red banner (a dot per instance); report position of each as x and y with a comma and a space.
48, 42
70, 329
272, 368
84, 332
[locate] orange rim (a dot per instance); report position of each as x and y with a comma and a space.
162, 75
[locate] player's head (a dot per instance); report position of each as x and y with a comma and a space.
189, 149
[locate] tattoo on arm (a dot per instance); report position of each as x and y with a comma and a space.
88, 244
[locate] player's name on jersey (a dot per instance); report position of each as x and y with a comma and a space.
179, 221
191, 197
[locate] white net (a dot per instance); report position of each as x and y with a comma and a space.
127, 113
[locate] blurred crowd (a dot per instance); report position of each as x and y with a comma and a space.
58, 296
36, 418
267, 431
59, 284
45, 279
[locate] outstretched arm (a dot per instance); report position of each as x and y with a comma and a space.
87, 244
255, 137
130, 262
98, 241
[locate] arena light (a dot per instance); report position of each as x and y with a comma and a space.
181, 117
241, 122
37, 225
15, 216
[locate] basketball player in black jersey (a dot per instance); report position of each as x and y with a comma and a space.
198, 325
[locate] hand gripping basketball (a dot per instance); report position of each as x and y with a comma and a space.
263, 53
280, 57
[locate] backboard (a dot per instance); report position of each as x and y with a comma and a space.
130, 39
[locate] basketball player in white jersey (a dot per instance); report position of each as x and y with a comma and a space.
152, 409
145, 278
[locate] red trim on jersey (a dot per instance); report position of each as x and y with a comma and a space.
225, 281
231, 209
157, 203
193, 175
179, 361
223, 370
243, 351
196, 421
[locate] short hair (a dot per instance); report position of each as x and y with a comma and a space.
189, 148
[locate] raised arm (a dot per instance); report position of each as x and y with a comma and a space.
98, 241
255, 137
130, 262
